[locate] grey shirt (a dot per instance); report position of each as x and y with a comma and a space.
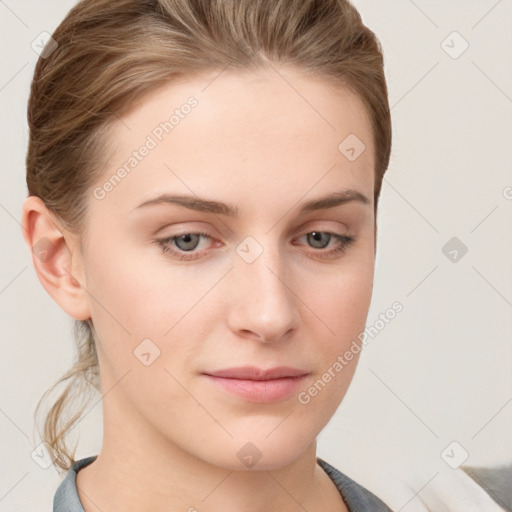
356, 497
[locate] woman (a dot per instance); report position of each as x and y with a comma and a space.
203, 183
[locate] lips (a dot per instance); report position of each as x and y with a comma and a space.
257, 384
254, 373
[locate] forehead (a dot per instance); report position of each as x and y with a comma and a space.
224, 132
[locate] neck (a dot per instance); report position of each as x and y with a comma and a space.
132, 474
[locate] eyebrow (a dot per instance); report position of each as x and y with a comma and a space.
216, 207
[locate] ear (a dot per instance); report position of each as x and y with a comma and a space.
56, 257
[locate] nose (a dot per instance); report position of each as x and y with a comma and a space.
264, 297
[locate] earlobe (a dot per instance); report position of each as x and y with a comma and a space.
56, 258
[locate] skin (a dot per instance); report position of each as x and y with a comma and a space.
170, 436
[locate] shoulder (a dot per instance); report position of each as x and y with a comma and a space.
496, 481
66, 497
355, 495
464, 489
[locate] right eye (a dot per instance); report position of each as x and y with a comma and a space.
184, 245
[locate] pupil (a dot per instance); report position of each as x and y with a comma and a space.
186, 238
317, 236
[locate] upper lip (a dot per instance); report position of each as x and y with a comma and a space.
255, 373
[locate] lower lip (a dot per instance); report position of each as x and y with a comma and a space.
263, 391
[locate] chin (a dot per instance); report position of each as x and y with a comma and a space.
256, 452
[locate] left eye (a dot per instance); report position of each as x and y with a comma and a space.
186, 243
316, 238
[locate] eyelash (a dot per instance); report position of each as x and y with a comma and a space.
344, 240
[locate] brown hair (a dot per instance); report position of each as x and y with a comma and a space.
111, 53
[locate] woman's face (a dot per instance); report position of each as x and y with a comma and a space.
270, 283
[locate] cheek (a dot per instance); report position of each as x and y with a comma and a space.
137, 315
343, 308
140, 310
137, 294
343, 300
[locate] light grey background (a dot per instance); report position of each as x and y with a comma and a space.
441, 370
